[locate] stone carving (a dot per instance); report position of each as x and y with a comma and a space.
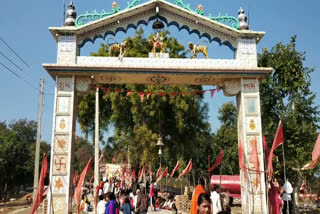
118, 47
198, 49
158, 43
83, 84
230, 88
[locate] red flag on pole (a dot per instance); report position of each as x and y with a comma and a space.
96, 196
315, 156
212, 91
141, 96
133, 174
38, 199
142, 174
174, 170
218, 161
254, 158
242, 164
75, 178
186, 170
158, 172
278, 140
164, 173
80, 183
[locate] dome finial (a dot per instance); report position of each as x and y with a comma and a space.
243, 24
71, 15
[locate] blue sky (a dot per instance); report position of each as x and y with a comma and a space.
24, 26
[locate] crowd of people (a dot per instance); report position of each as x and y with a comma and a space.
280, 197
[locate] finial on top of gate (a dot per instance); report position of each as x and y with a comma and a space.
243, 24
71, 15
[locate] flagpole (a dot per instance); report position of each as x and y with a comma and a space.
285, 176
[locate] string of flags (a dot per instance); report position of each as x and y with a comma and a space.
146, 95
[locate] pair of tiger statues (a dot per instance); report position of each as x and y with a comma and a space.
121, 47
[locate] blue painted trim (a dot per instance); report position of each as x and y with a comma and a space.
173, 23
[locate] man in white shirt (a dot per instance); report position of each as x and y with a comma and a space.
106, 187
288, 190
101, 207
215, 198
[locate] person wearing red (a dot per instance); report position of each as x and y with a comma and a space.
152, 197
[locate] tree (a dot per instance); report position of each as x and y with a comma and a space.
181, 119
286, 94
17, 150
226, 138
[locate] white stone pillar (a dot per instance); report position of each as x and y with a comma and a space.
253, 194
63, 130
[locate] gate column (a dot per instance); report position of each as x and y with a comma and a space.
253, 193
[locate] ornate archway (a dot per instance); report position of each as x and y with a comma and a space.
236, 77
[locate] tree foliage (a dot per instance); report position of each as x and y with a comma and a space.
17, 152
286, 94
181, 120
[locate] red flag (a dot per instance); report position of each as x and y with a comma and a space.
218, 161
133, 174
315, 156
75, 178
101, 156
80, 183
107, 92
278, 140
174, 170
149, 94
158, 172
186, 170
91, 179
242, 164
38, 199
164, 173
129, 92
212, 91
141, 96
254, 158
142, 174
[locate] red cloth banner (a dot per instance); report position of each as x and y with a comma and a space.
254, 158
164, 173
80, 183
96, 196
142, 174
159, 171
315, 156
278, 140
174, 170
186, 170
212, 91
242, 164
75, 178
107, 92
38, 199
141, 96
149, 94
150, 169
218, 161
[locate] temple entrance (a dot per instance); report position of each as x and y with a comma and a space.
74, 74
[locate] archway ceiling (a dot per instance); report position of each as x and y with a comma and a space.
169, 13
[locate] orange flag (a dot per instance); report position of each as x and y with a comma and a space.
254, 158
218, 161
38, 199
315, 156
142, 174
80, 183
174, 170
164, 173
158, 172
278, 140
186, 170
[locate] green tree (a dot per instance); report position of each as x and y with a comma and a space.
226, 138
181, 120
286, 94
17, 151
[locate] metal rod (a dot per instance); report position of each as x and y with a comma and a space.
96, 146
285, 176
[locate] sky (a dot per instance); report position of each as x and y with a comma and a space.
24, 28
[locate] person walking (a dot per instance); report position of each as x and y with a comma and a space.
287, 199
142, 202
152, 197
110, 205
215, 198
126, 208
101, 207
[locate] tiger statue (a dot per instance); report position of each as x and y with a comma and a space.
199, 49
157, 42
121, 47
